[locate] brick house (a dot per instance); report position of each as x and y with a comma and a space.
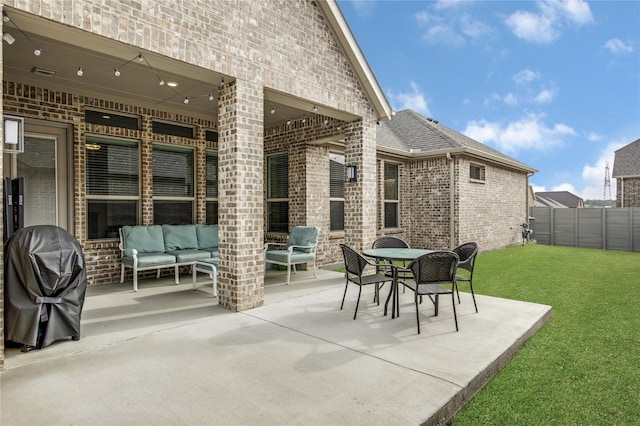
626, 171
453, 189
258, 83
273, 101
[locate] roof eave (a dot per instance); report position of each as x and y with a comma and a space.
416, 155
342, 31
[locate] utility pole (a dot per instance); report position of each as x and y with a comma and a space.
607, 183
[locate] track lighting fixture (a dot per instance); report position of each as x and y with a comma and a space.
80, 72
116, 72
37, 52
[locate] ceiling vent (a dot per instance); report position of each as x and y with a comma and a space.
43, 72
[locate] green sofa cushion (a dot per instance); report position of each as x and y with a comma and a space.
145, 239
179, 237
190, 255
207, 236
303, 236
296, 257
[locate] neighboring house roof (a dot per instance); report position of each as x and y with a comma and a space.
410, 134
627, 161
558, 199
361, 66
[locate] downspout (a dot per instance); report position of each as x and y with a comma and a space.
452, 233
622, 192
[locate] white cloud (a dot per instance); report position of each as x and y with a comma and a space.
363, 8
546, 26
577, 11
564, 187
532, 27
526, 76
474, 29
443, 34
510, 99
593, 136
529, 133
537, 188
618, 47
544, 97
449, 28
414, 99
593, 174
448, 4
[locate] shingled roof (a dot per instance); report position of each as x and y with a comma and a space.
627, 161
558, 199
410, 134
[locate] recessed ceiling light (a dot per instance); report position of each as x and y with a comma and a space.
172, 84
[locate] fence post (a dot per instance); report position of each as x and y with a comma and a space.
604, 228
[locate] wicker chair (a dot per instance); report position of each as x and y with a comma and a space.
355, 264
430, 272
467, 253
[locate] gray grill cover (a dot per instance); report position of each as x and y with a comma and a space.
45, 283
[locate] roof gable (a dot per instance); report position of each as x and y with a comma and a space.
627, 161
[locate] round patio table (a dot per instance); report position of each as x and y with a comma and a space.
395, 254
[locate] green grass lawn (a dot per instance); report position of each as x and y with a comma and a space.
583, 366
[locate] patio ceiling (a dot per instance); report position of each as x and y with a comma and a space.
64, 50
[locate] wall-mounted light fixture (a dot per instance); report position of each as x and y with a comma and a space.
13, 134
352, 173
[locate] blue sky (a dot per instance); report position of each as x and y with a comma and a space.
554, 84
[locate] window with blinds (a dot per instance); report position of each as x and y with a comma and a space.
336, 192
391, 201
173, 185
477, 172
278, 193
212, 188
112, 185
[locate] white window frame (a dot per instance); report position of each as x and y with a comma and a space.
482, 172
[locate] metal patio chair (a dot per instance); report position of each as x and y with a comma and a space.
467, 253
354, 265
430, 273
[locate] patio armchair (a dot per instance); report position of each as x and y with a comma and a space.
430, 273
299, 248
467, 253
354, 265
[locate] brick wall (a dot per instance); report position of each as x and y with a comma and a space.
631, 195
424, 202
490, 212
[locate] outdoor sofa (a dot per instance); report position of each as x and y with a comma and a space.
153, 247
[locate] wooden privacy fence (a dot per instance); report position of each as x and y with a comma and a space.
608, 229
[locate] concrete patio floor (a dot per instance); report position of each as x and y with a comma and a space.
170, 355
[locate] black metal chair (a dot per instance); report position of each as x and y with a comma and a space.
467, 253
430, 272
389, 241
355, 264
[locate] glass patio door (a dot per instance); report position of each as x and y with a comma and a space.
43, 165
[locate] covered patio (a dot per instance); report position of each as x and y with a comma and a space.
170, 355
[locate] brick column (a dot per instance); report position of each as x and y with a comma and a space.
241, 204
361, 196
